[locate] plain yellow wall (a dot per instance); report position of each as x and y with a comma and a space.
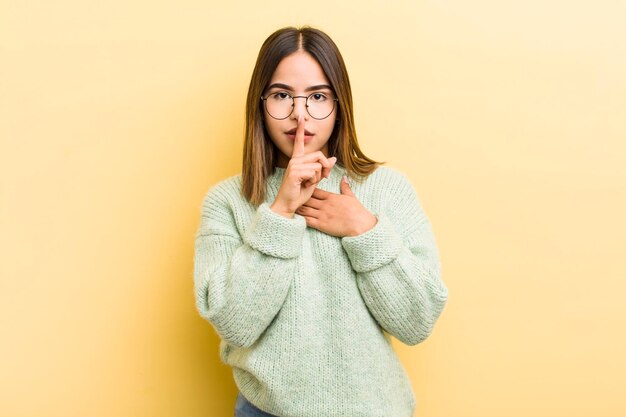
116, 117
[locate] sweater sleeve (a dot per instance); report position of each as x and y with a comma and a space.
241, 282
398, 267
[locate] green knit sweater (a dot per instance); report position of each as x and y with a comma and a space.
304, 317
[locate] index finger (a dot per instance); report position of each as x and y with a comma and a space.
298, 144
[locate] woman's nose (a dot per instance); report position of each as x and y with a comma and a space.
299, 108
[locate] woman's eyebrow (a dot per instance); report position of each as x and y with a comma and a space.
313, 87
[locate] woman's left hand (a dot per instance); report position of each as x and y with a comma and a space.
337, 214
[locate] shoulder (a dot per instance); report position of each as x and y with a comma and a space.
219, 207
226, 192
397, 189
391, 180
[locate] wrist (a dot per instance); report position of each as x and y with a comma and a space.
366, 226
276, 208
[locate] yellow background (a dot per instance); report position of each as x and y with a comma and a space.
116, 117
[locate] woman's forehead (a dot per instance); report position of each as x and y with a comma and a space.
284, 86
300, 71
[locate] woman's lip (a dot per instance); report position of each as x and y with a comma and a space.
307, 138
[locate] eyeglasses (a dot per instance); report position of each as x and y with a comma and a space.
280, 105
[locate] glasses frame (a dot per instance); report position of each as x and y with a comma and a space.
293, 106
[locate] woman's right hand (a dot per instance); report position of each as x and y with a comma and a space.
302, 174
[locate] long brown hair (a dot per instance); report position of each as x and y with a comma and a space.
259, 152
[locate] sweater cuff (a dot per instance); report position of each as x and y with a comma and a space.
275, 235
374, 248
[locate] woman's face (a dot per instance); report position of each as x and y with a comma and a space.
299, 74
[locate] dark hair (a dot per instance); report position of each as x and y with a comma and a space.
259, 152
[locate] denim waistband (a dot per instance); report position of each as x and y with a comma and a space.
244, 408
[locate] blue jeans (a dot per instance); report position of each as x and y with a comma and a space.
244, 408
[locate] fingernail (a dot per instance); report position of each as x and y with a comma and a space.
345, 179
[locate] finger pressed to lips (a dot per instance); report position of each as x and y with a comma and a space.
298, 151
298, 144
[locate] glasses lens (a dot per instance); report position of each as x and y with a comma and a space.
279, 105
320, 105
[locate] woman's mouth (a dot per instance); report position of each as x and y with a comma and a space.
308, 136
294, 130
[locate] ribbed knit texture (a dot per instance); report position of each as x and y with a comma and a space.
304, 317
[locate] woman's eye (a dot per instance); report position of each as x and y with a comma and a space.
318, 97
280, 96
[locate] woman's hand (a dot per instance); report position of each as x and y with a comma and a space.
337, 214
303, 173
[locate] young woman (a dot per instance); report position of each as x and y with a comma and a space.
304, 275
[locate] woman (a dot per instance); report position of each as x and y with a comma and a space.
303, 275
